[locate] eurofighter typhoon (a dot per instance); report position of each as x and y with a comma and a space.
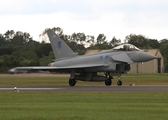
113, 62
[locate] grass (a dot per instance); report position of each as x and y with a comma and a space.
147, 79
54, 80
83, 106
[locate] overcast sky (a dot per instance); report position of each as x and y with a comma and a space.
117, 18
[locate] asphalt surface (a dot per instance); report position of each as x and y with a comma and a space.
90, 89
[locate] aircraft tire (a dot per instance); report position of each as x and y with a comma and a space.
119, 83
108, 82
72, 82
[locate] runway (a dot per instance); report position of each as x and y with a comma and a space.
90, 89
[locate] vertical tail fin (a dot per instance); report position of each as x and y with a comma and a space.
60, 48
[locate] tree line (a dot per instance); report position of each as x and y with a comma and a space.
19, 48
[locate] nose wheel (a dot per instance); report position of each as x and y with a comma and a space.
119, 83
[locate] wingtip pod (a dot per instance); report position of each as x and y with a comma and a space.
17, 70
60, 48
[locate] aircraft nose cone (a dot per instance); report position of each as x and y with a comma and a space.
144, 57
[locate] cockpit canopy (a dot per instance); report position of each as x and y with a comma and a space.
126, 47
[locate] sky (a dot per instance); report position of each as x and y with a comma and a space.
117, 18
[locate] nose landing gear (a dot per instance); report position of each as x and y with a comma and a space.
119, 82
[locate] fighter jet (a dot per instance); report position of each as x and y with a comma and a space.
113, 62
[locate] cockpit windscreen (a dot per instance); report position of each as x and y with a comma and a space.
126, 47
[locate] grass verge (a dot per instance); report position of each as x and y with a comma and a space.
83, 106
62, 80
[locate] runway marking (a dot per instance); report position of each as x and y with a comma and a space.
30, 89
91, 89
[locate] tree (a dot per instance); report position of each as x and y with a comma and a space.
66, 38
78, 37
137, 40
114, 42
21, 38
73, 37
2, 40
153, 43
80, 49
163, 41
27, 37
164, 51
45, 60
29, 58
81, 38
9, 34
7, 50
58, 31
101, 39
90, 40
43, 49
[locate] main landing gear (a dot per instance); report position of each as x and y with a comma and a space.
94, 77
72, 82
108, 82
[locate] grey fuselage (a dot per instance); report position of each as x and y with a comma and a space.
105, 57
